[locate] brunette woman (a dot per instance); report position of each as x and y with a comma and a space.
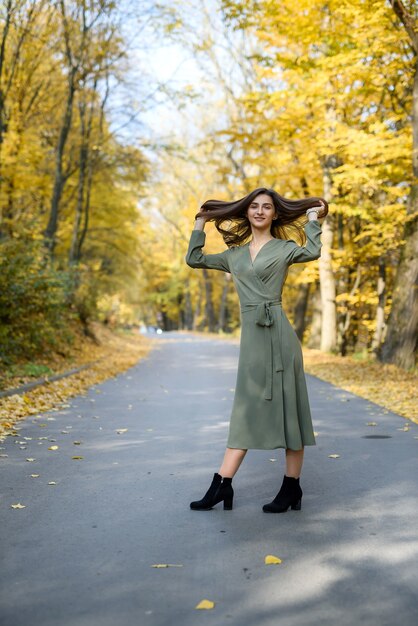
271, 407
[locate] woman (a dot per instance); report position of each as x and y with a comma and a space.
271, 407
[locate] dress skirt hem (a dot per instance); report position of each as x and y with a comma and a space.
272, 448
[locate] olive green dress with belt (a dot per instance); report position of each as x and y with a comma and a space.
271, 406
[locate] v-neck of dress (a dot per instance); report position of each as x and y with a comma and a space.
263, 246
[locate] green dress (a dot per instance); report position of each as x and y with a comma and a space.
271, 406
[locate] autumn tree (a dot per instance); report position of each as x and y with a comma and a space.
331, 102
400, 345
90, 43
64, 172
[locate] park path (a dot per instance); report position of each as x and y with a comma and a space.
81, 551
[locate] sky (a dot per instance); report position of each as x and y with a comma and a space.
157, 69
171, 89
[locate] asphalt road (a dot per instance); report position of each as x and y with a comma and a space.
81, 551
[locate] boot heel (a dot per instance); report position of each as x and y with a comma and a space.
228, 504
297, 506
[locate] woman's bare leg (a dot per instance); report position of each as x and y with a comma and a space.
232, 460
294, 462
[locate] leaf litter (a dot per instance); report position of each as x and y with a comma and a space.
112, 354
385, 384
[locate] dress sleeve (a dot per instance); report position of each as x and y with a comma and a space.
312, 248
196, 258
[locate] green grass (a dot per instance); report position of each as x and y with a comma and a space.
34, 370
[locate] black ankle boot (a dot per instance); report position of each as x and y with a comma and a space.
220, 489
290, 494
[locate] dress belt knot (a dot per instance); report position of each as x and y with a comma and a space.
263, 314
272, 338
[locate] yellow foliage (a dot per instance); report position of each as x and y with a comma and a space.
386, 385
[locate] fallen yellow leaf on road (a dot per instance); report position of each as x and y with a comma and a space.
334, 456
76, 458
121, 430
77, 443
270, 559
371, 424
30, 460
18, 506
34, 475
205, 604
52, 482
53, 448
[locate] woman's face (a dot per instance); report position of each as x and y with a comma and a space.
261, 212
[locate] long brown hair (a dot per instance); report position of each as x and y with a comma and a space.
231, 220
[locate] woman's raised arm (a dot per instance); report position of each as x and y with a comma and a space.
196, 258
312, 249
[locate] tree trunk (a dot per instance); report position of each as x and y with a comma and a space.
316, 324
85, 130
299, 311
197, 311
86, 209
74, 249
400, 345
326, 273
9, 217
209, 310
380, 311
188, 310
344, 337
3, 114
326, 276
92, 158
59, 178
222, 307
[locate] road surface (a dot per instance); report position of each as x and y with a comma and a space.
81, 551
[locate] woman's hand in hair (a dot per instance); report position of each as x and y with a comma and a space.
322, 208
200, 220
316, 212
